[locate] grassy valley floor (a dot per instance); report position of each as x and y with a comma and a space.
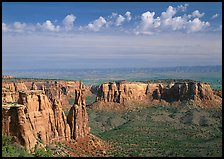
186, 131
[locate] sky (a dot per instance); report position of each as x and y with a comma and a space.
60, 35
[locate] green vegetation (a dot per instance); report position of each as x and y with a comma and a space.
90, 99
10, 149
160, 131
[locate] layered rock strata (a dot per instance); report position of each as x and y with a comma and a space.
54, 89
34, 120
78, 117
124, 92
37, 120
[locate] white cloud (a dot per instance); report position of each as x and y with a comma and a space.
178, 23
97, 24
4, 27
169, 22
128, 15
120, 19
166, 17
19, 27
170, 12
114, 15
146, 23
68, 22
196, 25
147, 20
214, 16
157, 22
49, 26
196, 13
182, 8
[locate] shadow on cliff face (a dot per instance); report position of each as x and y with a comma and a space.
160, 131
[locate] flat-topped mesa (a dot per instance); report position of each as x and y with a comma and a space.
78, 117
127, 92
37, 121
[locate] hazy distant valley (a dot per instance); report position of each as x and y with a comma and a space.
210, 74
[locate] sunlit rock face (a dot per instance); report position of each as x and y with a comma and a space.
34, 119
127, 92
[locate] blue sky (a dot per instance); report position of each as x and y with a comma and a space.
110, 34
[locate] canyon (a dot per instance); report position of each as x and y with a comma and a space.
33, 112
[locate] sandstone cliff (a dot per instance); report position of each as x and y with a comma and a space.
78, 117
54, 89
34, 120
38, 120
127, 93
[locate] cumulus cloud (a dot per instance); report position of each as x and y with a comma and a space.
182, 8
128, 15
49, 26
170, 12
147, 24
169, 22
166, 17
4, 27
120, 19
19, 27
147, 20
178, 23
97, 24
196, 25
214, 16
114, 15
196, 13
68, 22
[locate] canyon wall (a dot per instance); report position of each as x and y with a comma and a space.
54, 89
125, 93
34, 119
37, 120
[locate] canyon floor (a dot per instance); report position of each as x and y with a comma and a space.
158, 131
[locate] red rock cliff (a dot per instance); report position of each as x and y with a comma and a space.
78, 117
127, 92
34, 120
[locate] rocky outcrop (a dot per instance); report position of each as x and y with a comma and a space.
37, 120
15, 124
7, 77
129, 92
34, 120
34, 86
54, 89
62, 127
78, 117
10, 91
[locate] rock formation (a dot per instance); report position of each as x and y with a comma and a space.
129, 92
78, 117
37, 120
7, 77
54, 89
34, 86
10, 91
34, 120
